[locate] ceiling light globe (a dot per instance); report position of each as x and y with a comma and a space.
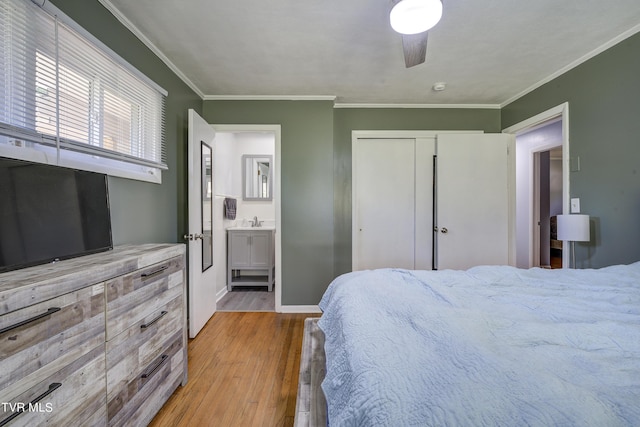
415, 16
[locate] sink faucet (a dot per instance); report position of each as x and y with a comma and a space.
255, 222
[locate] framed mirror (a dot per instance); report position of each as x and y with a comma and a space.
257, 180
207, 210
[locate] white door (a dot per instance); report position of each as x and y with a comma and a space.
384, 203
472, 202
392, 203
202, 283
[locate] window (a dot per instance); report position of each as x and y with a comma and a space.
67, 99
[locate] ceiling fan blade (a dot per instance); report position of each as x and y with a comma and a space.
415, 48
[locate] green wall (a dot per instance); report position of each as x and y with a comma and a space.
143, 212
604, 133
307, 187
316, 176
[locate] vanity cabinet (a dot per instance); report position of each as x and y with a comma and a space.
97, 340
250, 258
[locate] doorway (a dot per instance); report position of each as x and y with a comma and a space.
547, 198
542, 186
233, 144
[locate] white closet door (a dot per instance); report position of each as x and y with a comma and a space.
384, 203
472, 200
425, 149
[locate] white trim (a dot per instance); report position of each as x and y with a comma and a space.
246, 128
561, 111
140, 35
630, 32
269, 98
312, 309
277, 191
399, 134
220, 294
425, 106
538, 119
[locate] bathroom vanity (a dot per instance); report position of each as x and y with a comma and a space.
250, 257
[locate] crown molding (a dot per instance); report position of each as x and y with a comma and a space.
269, 98
140, 35
614, 41
426, 106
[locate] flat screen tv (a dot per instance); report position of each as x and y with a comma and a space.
50, 213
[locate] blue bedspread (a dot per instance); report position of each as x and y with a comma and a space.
490, 346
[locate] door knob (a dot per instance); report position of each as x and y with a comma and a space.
193, 236
444, 230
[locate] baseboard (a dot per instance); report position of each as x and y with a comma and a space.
221, 293
299, 309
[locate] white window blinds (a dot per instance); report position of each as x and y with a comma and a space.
62, 91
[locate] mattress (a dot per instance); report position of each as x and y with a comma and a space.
484, 347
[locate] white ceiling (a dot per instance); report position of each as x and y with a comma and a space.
488, 52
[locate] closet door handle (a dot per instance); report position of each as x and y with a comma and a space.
33, 319
444, 230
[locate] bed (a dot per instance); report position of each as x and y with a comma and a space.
490, 346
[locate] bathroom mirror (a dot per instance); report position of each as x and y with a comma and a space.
257, 177
207, 211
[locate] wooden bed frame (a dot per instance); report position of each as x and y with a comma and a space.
311, 406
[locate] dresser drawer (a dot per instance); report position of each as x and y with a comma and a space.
39, 340
135, 296
145, 363
74, 395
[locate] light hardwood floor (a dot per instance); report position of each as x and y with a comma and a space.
243, 371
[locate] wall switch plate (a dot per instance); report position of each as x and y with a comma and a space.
575, 205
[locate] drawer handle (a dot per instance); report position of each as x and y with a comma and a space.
145, 276
52, 387
155, 367
146, 325
33, 319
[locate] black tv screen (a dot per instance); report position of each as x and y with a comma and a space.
49, 213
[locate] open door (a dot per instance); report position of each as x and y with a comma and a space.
202, 283
473, 225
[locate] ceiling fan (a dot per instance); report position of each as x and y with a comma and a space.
412, 19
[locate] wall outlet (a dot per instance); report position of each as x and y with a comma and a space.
575, 205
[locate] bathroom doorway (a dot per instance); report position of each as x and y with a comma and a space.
236, 147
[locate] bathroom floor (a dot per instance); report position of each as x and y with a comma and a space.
248, 298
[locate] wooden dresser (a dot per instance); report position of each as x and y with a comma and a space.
96, 340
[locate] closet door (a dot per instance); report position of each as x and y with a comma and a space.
472, 200
383, 203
